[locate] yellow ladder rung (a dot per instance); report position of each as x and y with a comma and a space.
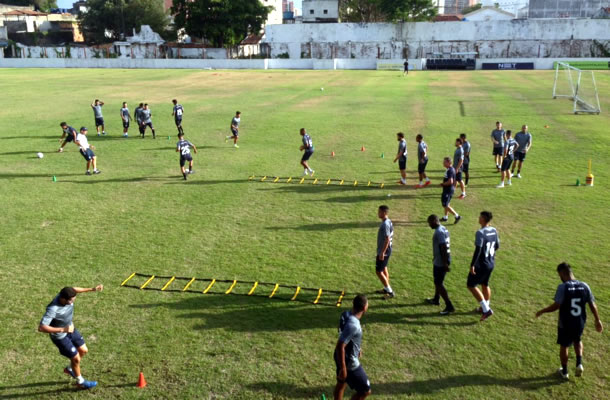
250, 178
328, 182
369, 183
253, 288
276, 179
263, 178
355, 183
289, 179
209, 286
341, 183
381, 186
340, 299
318, 298
315, 181
126, 280
147, 282
168, 283
277, 285
296, 293
232, 286
302, 180
188, 284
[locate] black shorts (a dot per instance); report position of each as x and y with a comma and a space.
141, 127
439, 275
235, 132
458, 176
185, 158
465, 167
481, 278
125, 124
568, 336
498, 151
421, 167
357, 380
402, 163
381, 265
306, 155
446, 198
69, 138
99, 122
87, 154
69, 344
506, 163
178, 121
520, 156
149, 124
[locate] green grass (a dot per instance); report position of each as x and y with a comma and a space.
138, 215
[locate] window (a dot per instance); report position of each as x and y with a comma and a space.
325, 11
311, 11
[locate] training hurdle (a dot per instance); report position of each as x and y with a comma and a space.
314, 181
228, 286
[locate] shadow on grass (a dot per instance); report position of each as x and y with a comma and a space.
60, 387
331, 226
433, 386
19, 175
31, 137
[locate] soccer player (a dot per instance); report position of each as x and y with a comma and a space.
384, 251
448, 189
524, 139
57, 322
177, 114
458, 162
307, 146
441, 261
146, 116
570, 299
486, 244
184, 148
348, 350
406, 71
466, 146
509, 155
137, 115
497, 138
235, 129
99, 118
87, 151
69, 134
401, 157
422, 161
125, 117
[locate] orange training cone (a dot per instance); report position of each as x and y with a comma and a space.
332, 153
362, 149
141, 381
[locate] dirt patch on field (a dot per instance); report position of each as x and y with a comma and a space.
311, 103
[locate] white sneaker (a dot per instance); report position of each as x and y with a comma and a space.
236, 146
519, 176
509, 183
312, 172
579, 370
305, 173
562, 375
125, 135
500, 186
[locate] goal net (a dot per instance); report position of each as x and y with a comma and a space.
578, 86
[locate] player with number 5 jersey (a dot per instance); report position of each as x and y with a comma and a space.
483, 262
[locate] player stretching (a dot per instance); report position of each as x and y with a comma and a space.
177, 114
483, 260
146, 116
69, 134
401, 157
57, 322
125, 117
384, 251
570, 299
466, 146
137, 115
448, 189
441, 262
308, 148
184, 148
509, 155
458, 163
422, 161
347, 352
99, 118
87, 151
234, 129
524, 138
497, 137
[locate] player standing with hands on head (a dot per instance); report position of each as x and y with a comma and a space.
385, 236
422, 161
401, 157
87, 151
524, 139
97, 114
177, 114
57, 322
69, 134
509, 155
497, 138
483, 262
441, 261
125, 117
348, 351
570, 299
308, 148
448, 190
184, 148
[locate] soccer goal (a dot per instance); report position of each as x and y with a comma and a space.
577, 85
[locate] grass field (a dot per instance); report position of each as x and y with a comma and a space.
139, 215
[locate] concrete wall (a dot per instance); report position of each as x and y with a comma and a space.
319, 6
565, 8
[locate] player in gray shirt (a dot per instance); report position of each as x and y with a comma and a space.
497, 137
57, 322
458, 163
125, 118
422, 161
347, 352
384, 251
524, 139
97, 114
234, 129
441, 252
146, 117
466, 166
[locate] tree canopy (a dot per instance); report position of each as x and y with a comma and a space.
42, 5
386, 10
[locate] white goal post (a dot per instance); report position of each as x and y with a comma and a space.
577, 85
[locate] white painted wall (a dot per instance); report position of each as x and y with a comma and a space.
275, 16
488, 14
319, 7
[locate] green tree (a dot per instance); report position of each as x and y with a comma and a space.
386, 10
106, 20
42, 5
220, 22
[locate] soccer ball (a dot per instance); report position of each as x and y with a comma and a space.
322, 89
39, 155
